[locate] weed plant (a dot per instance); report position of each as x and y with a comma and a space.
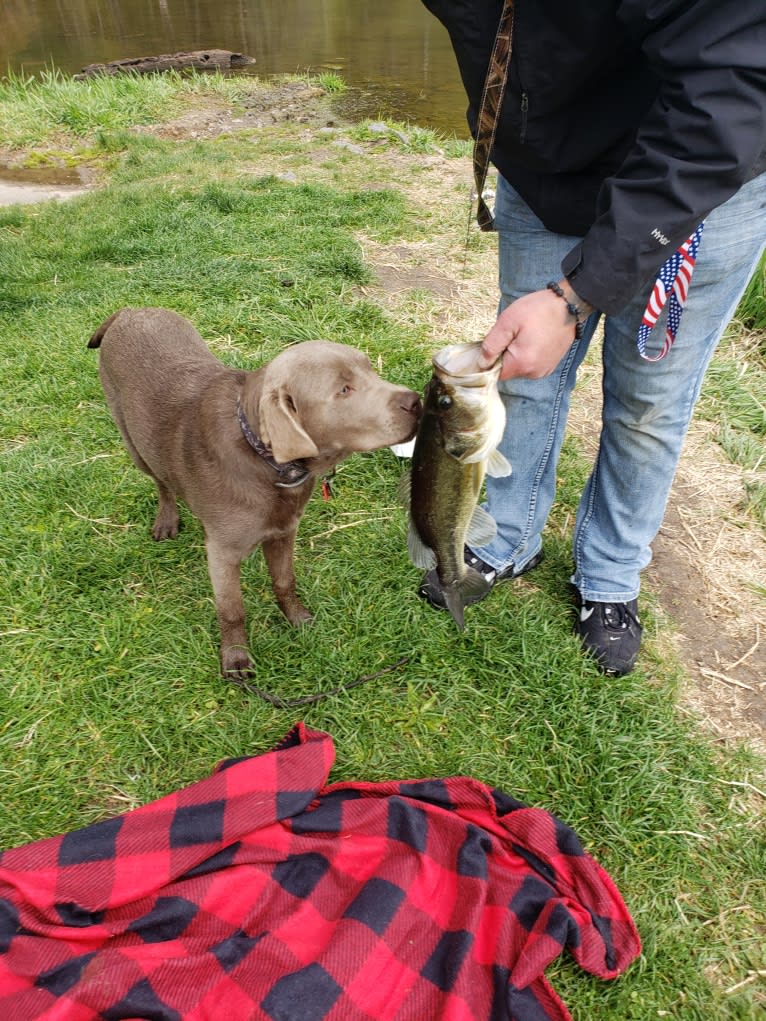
110, 688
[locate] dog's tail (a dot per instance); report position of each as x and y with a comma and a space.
98, 336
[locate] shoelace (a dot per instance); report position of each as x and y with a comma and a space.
618, 616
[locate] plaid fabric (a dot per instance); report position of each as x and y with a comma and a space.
261, 893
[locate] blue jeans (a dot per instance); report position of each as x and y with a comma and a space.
647, 406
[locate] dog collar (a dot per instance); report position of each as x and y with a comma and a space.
291, 473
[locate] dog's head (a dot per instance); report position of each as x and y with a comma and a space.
320, 399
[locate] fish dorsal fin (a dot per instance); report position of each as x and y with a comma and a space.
498, 466
420, 554
482, 528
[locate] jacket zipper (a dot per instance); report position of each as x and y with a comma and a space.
524, 109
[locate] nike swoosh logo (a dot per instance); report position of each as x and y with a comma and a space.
586, 614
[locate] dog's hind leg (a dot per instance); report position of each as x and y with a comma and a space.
167, 521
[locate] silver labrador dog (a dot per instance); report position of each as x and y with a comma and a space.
242, 449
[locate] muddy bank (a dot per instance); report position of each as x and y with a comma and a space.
23, 194
22, 185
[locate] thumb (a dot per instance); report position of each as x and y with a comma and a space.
487, 359
495, 344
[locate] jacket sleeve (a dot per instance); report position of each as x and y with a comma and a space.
700, 141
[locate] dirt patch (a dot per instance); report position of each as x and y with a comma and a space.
708, 558
720, 644
298, 102
708, 561
398, 273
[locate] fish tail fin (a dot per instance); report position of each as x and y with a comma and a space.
454, 600
472, 587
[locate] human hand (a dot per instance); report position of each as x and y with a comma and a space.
531, 335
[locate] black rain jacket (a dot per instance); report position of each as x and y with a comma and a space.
624, 121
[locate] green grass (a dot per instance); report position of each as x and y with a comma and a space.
752, 308
411, 138
34, 111
330, 82
111, 695
734, 394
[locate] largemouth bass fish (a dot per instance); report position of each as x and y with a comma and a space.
462, 424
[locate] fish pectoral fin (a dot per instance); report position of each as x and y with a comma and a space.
404, 489
498, 466
482, 528
420, 554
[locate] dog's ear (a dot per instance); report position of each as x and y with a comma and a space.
281, 428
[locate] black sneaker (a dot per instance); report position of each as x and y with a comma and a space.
611, 632
430, 587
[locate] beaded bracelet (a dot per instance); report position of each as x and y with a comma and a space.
574, 310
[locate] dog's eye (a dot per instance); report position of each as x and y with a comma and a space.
345, 390
444, 401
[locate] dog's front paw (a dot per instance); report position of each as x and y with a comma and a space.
236, 664
300, 617
165, 527
295, 611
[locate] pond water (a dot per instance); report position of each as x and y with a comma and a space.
395, 56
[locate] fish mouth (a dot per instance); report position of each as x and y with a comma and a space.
458, 364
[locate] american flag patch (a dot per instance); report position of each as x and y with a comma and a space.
671, 287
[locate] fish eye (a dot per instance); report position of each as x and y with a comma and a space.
444, 401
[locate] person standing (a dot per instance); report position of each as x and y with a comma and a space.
630, 148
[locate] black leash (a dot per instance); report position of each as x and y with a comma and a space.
288, 703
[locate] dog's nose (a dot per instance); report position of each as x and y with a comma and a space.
410, 403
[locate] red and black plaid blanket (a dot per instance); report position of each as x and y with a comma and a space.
262, 893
